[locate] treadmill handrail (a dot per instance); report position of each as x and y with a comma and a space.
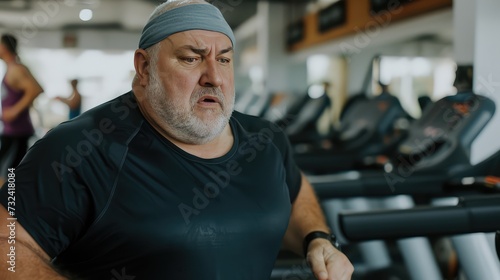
470, 215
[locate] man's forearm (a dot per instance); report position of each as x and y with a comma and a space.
23, 263
307, 216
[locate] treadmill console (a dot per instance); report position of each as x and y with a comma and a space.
443, 135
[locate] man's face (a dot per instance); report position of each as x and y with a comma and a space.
191, 87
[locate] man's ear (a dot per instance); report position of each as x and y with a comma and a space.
141, 64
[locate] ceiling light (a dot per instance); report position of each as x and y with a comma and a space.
86, 14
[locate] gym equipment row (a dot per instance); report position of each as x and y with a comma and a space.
431, 164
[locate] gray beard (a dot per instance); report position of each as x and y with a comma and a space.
185, 125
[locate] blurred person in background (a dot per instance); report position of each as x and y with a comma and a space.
74, 101
19, 90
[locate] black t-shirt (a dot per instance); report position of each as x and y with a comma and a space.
106, 196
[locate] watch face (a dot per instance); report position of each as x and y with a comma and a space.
334, 241
320, 234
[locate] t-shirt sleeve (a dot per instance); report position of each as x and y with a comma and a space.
293, 174
52, 201
280, 141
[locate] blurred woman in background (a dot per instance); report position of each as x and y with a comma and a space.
19, 89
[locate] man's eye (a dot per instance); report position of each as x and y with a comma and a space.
190, 59
224, 60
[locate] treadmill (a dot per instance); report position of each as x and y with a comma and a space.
436, 150
301, 127
368, 128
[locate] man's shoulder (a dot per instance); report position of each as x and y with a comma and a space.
252, 126
252, 123
120, 108
117, 115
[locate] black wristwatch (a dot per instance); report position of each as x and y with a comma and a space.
320, 234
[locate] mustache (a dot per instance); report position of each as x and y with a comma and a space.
212, 91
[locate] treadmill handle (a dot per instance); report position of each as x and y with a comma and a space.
484, 184
472, 214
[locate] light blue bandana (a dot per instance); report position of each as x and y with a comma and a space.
190, 17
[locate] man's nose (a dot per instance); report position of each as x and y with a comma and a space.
211, 76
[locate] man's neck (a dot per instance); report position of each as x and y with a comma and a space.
218, 147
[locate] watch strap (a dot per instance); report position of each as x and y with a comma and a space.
319, 234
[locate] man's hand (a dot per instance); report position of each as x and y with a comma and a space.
326, 262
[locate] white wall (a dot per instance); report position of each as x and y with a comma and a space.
282, 72
464, 23
262, 40
487, 73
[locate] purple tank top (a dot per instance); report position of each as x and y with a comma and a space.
21, 126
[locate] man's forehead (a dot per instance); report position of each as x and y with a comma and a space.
200, 39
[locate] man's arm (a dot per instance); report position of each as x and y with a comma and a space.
28, 260
325, 260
